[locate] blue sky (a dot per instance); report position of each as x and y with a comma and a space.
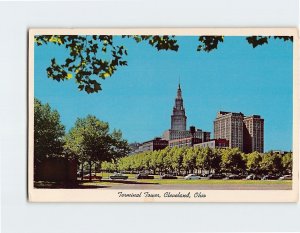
138, 99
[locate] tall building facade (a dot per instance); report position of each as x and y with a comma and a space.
178, 123
152, 145
245, 133
229, 125
178, 118
214, 143
253, 134
180, 134
184, 142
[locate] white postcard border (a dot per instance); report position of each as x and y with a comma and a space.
102, 195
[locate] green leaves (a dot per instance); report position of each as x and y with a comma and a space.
84, 60
253, 162
232, 161
90, 141
48, 132
206, 159
98, 57
271, 163
260, 40
209, 43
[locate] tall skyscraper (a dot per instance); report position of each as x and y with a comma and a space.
253, 134
178, 123
229, 125
178, 119
245, 133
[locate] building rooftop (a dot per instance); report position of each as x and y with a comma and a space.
222, 113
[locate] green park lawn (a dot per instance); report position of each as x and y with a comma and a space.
132, 179
105, 182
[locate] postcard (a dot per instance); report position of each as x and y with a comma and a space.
163, 115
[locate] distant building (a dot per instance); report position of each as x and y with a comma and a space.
281, 152
214, 144
229, 125
177, 134
152, 145
184, 142
178, 123
253, 134
245, 133
134, 147
178, 118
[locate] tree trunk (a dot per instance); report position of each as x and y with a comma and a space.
90, 168
95, 168
82, 171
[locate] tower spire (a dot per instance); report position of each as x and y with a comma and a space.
178, 118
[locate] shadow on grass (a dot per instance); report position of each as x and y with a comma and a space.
61, 185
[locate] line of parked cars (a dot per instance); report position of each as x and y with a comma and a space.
86, 175
269, 177
144, 176
148, 176
210, 176
118, 176
121, 176
237, 177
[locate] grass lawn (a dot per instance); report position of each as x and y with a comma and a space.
158, 181
106, 183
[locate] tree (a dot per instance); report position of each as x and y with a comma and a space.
90, 141
271, 163
48, 132
152, 161
189, 160
287, 162
118, 146
159, 161
99, 56
208, 159
108, 166
215, 160
125, 163
177, 159
253, 162
232, 161
168, 160
92, 57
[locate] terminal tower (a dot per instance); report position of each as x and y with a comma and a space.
178, 118
178, 128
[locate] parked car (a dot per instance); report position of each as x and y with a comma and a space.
93, 176
144, 176
253, 177
286, 177
242, 176
270, 177
168, 176
216, 176
192, 177
79, 173
233, 177
118, 176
